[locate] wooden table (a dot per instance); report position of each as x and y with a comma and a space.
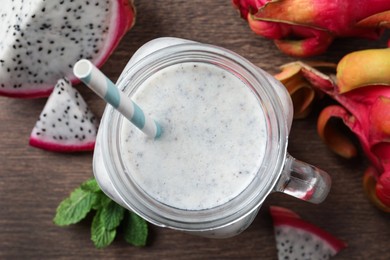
33, 181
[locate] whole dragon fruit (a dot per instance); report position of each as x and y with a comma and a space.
307, 27
362, 89
41, 40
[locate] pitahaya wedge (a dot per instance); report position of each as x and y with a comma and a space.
307, 27
66, 124
41, 40
298, 239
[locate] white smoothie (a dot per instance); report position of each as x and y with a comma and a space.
213, 141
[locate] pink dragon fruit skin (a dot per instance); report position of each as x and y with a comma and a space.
366, 101
362, 89
383, 189
364, 98
377, 188
315, 23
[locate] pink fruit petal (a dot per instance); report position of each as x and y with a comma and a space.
377, 20
370, 188
363, 68
383, 189
307, 27
289, 71
329, 131
313, 42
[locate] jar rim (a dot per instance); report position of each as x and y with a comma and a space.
205, 219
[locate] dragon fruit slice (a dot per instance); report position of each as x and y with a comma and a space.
41, 40
298, 239
307, 27
66, 124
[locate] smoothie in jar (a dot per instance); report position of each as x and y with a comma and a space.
223, 148
213, 141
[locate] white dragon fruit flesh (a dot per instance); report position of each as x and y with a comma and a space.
66, 124
40, 40
298, 239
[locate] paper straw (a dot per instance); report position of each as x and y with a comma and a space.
106, 89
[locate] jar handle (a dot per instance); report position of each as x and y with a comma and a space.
303, 181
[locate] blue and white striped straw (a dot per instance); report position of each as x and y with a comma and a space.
106, 89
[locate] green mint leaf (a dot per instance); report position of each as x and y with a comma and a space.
100, 235
90, 185
136, 230
75, 207
102, 201
108, 217
112, 215
105, 222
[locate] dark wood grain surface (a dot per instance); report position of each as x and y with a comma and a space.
33, 181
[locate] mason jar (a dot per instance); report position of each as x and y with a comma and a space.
223, 149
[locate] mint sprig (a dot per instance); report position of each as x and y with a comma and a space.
105, 222
136, 230
75, 207
108, 216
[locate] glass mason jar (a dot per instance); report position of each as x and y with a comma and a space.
278, 171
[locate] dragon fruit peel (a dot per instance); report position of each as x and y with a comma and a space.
361, 86
305, 28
